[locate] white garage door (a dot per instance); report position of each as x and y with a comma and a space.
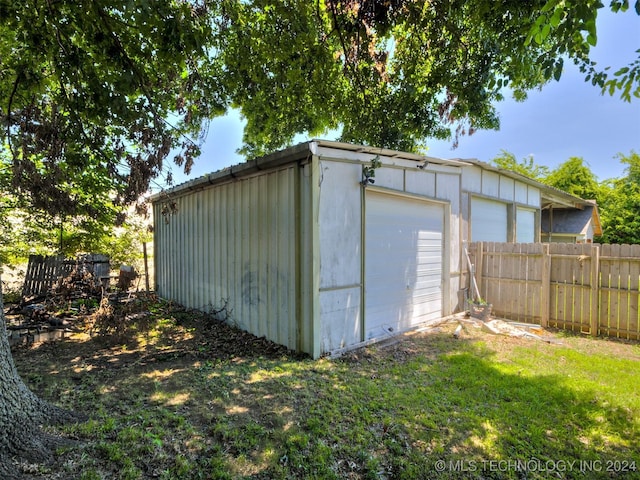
403, 263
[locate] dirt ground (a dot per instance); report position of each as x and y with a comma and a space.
196, 335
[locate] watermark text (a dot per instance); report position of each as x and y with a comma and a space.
536, 465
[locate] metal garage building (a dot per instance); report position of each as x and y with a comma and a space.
309, 254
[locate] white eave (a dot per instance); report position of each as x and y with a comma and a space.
550, 197
298, 153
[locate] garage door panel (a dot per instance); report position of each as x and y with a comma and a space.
403, 263
488, 220
428, 263
427, 284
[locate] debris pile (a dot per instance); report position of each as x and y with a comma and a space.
76, 302
498, 326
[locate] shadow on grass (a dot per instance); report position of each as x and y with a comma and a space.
427, 407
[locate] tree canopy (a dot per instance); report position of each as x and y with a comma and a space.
620, 204
394, 73
95, 96
575, 177
527, 166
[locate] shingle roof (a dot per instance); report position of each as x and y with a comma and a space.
568, 220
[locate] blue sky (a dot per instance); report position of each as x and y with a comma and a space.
569, 118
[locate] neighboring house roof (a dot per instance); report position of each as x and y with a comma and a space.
571, 221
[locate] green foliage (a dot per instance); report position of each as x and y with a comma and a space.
570, 27
576, 178
369, 171
95, 96
527, 167
391, 73
34, 232
620, 207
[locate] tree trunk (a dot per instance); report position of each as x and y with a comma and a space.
22, 414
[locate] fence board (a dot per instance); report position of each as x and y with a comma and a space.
42, 273
623, 303
614, 320
594, 280
604, 310
511, 278
634, 296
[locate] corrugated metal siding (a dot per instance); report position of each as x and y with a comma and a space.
235, 243
309, 259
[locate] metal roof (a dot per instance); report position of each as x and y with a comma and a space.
551, 197
300, 152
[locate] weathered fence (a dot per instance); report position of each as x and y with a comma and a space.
43, 272
587, 288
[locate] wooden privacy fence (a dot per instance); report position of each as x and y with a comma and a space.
588, 288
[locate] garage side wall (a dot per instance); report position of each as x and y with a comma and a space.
234, 244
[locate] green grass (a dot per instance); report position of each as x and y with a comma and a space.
174, 403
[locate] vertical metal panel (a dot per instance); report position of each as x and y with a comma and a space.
490, 184
488, 221
308, 258
507, 186
340, 241
340, 225
340, 312
421, 182
472, 179
390, 178
521, 193
314, 214
235, 243
448, 188
533, 197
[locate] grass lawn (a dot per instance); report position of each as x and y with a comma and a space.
185, 397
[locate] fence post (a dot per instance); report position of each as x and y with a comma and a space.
146, 266
545, 296
595, 290
478, 266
